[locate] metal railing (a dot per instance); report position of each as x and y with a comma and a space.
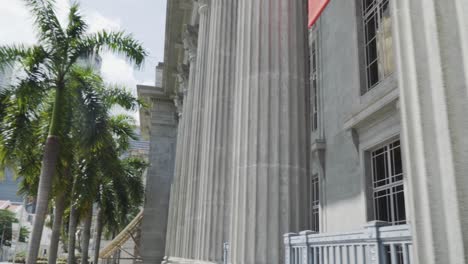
225, 253
377, 243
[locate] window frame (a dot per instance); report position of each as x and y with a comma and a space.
374, 10
391, 186
314, 62
314, 202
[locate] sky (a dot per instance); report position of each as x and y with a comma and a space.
144, 19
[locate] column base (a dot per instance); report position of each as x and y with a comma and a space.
175, 260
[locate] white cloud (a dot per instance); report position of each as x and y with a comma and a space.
116, 70
98, 22
15, 23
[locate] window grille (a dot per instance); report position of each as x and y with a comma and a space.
387, 183
378, 41
314, 203
314, 78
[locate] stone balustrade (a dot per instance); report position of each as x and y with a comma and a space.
377, 243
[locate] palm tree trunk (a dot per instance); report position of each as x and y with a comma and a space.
99, 226
56, 228
116, 253
71, 234
86, 236
49, 162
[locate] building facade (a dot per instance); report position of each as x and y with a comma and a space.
358, 122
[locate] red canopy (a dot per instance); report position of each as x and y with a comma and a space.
316, 8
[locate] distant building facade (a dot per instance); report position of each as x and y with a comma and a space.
357, 124
9, 188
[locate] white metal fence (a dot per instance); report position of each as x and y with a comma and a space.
377, 243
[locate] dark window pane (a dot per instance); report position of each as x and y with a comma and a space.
388, 254
399, 254
371, 26
397, 164
373, 74
379, 151
367, 4
371, 51
382, 206
399, 205
380, 169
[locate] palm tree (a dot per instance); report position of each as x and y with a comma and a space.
120, 198
99, 139
47, 66
117, 184
83, 130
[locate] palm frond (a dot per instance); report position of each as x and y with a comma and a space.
116, 95
116, 42
123, 128
19, 120
76, 25
50, 31
134, 169
11, 54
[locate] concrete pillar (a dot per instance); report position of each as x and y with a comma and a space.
195, 132
159, 177
432, 55
215, 169
270, 133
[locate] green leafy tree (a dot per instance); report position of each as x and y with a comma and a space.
7, 219
46, 69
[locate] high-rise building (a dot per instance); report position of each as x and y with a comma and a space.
342, 143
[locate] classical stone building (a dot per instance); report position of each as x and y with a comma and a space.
354, 130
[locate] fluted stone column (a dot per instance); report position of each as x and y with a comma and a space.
432, 55
270, 145
181, 103
195, 132
179, 197
215, 169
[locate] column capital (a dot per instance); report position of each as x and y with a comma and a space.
203, 6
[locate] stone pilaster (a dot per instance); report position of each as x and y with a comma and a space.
159, 177
215, 169
270, 133
195, 132
432, 55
